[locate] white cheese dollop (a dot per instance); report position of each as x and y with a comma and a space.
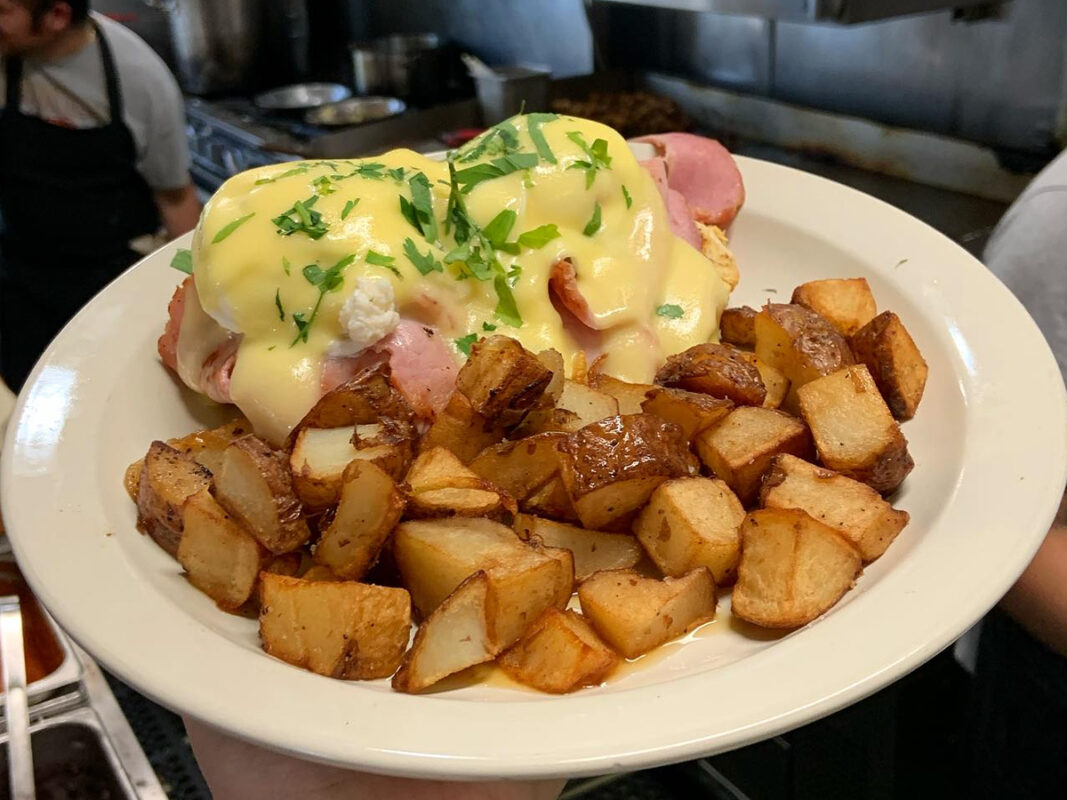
368, 315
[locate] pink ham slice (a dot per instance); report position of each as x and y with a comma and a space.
704, 172
168, 341
678, 211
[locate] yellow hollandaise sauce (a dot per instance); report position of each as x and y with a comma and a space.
466, 244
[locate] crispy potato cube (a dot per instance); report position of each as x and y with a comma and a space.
720, 370
522, 466
851, 508
552, 360
318, 462
461, 430
854, 432
547, 420
438, 468
693, 412
440, 485
551, 501
206, 447
737, 326
793, 568
521, 592
611, 467
502, 380
318, 573
897, 366
341, 629
365, 399
629, 396
256, 486
799, 343
846, 303
690, 523
559, 653
370, 507
168, 478
389, 443
740, 448
774, 380
593, 551
220, 557
634, 614
588, 404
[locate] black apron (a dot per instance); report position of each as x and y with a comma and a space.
71, 201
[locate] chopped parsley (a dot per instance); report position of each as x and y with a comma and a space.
533, 127
425, 264
325, 280
397, 174
463, 344
381, 260
596, 155
183, 261
278, 303
302, 218
670, 311
286, 265
506, 307
501, 139
499, 227
626, 196
348, 208
470, 177
593, 225
488, 326
323, 185
538, 237
419, 210
301, 170
231, 227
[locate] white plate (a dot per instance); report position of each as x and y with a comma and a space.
989, 442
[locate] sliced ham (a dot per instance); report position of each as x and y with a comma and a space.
217, 371
678, 211
168, 341
563, 288
423, 367
704, 172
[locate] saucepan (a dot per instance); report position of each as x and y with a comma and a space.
302, 96
355, 111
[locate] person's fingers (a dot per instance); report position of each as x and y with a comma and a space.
236, 770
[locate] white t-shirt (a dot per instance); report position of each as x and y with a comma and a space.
72, 92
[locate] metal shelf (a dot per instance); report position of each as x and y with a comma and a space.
844, 12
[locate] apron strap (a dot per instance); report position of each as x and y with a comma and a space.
111, 77
13, 76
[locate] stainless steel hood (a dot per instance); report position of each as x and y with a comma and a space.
845, 12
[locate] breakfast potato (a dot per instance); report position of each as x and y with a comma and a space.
628, 396
502, 380
317, 463
740, 448
220, 557
552, 360
552, 501
693, 412
800, 344
168, 478
737, 326
256, 486
438, 484
371, 505
318, 573
547, 420
587, 404
714, 247
634, 614
522, 466
461, 430
206, 447
774, 381
690, 523
593, 551
611, 467
846, 303
365, 399
895, 363
793, 568
341, 629
720, 370
854, 431
559, 653
851, 508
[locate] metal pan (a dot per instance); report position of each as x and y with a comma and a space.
355, 111
302, 96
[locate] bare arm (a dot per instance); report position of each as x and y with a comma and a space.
179, 208
1038, 600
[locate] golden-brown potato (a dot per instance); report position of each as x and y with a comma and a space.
551, 501
461, 430
365, 399
502, 380
522, 466
774, 380
168, 478
846, 303
588, 404
388, 443
851, 508
634, 614
318, 462
318, 573
737, 326
553, 362
690, 523
559, 653
547, 420
221, 558
897, 366
341, 629
854, 432
206, 447
370, 507
255, 485
438, 484
593, 551
629, 396
611, 467
800, 344
720, 370
793, 568
740, 448
693, 412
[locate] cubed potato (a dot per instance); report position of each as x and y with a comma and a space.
341, 629
588, 404
690, 523
370, 507
367, 398
522, 466
593, 551
720, 370
502, 380
206, 447
740, 448
221, 558
693, 412
388, 443
318, 573
547, 420
629, 396
552, 501
851, 508
168, 478
318, 462
846, 303
461, 430
800, 344
793, 568
774, 380
439, 485
634, 614
438, 468
256, 486
854, 431
611, 467
895, 363
559, 653
552, 360
737, 326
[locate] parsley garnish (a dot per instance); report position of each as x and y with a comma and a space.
398, 174
381, 260
488, 326
183, 261
301, 170
463, 344
593, 225
286, 265
533, 127
626, 196
301, 218
278, 303
372, 170
348, 208
501, 139
325, 280
471, 176
597, 156
499, 227
506, 307
670, 311
323, 185
425, 264
231, 227
539, 237
419, 210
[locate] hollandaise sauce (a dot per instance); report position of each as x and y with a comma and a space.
466, 245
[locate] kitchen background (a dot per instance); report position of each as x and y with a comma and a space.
945, 109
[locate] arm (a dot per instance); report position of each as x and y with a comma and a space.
179, 208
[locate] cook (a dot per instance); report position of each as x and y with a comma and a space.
93, 163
